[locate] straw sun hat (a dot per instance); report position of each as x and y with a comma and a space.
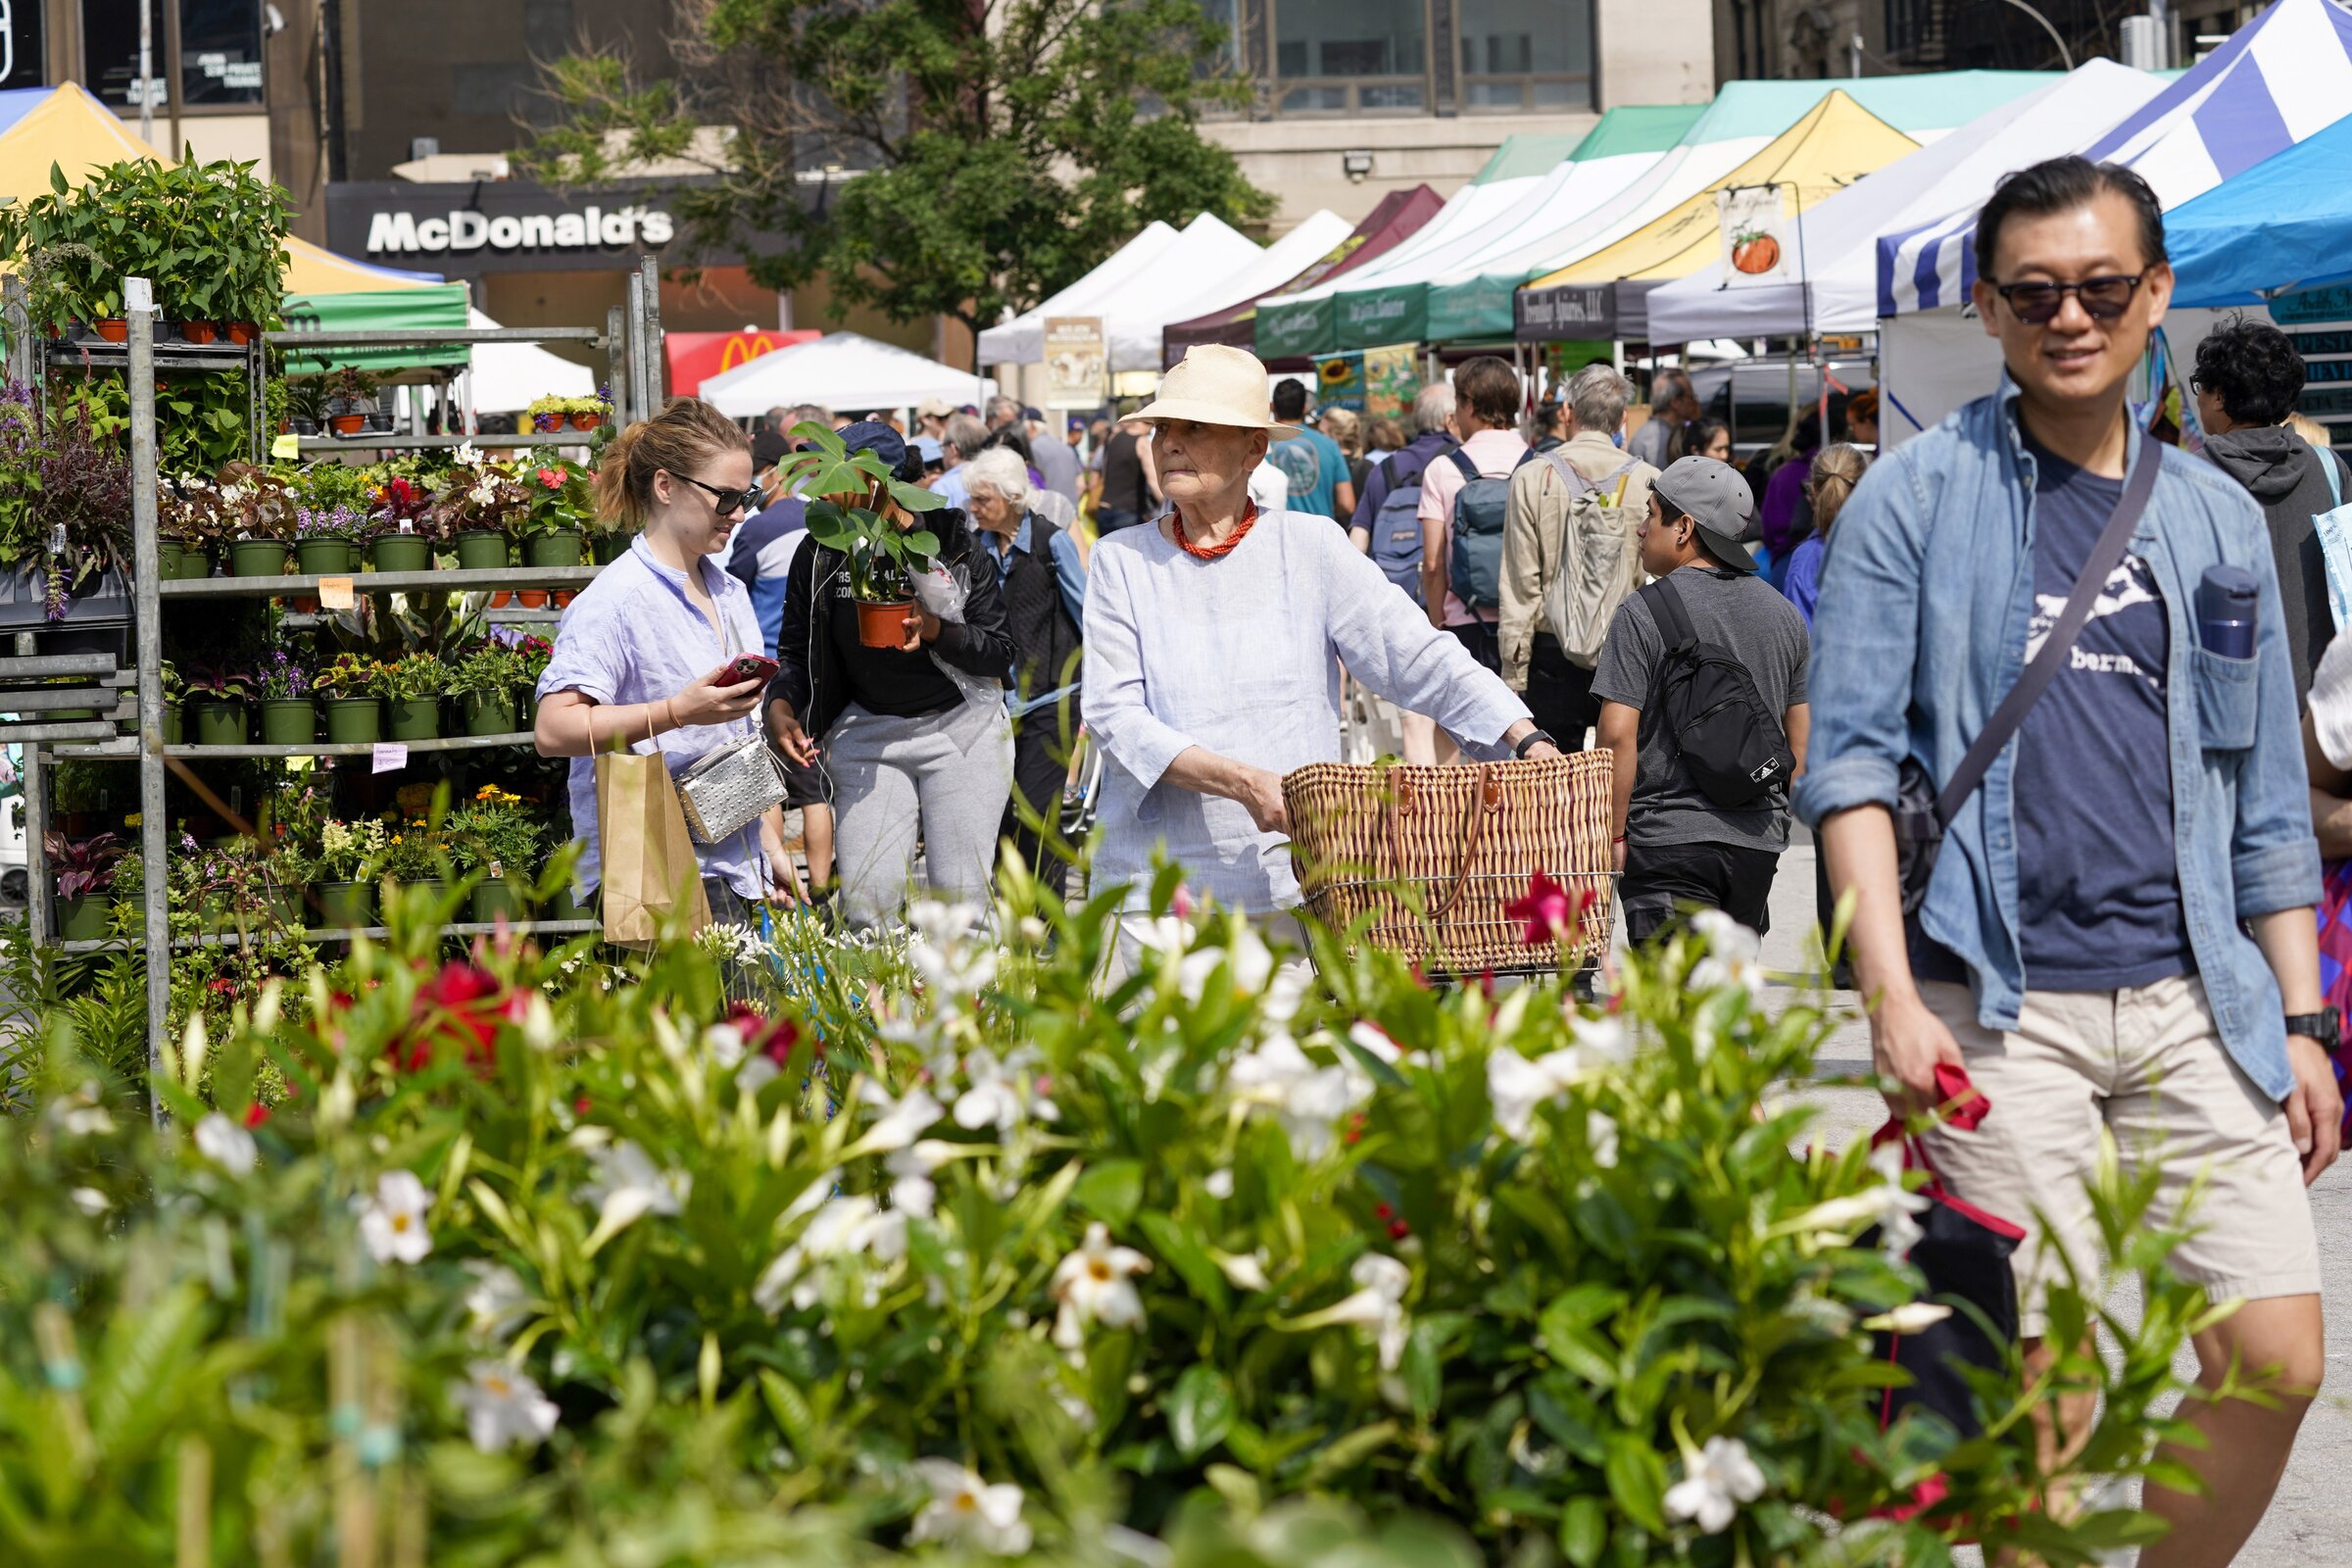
1214, 385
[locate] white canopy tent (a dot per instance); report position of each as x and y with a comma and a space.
1124, 289
1838, 239
506, 378
1135, 327
842, 370
1468, 211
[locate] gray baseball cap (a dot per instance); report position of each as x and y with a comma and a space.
1718, 501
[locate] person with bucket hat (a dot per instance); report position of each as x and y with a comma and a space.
914, 737
1214, 639
1701, 686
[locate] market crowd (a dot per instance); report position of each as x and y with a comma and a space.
2060, 700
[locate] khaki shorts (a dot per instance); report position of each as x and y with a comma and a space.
2148, 1065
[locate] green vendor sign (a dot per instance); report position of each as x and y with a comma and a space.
1370, 317
1478, 309
1298, 331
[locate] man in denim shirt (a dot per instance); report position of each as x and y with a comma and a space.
2118, 935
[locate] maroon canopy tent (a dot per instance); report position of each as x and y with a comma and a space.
1400, 214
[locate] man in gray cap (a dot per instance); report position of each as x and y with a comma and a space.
1679, 845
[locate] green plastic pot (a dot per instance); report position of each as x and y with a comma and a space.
176, 725
70, 715
289, 721
194, 565
432, 889
413, 718
354, 720
257, 558
219, 724
558, 548
285, 907
168, 556
494, 896
482, 550
489, 713
606, 547
565, 906
346, 906
85, 919
325, 557
400, 551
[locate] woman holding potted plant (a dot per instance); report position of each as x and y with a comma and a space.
645, 656
905, 699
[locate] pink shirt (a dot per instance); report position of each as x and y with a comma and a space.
1496, 452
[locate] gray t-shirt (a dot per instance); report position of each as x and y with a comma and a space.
1742, 615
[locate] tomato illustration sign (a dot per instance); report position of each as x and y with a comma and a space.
1755, 235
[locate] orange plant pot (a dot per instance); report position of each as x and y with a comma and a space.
884, 626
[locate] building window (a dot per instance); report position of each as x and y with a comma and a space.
219, 52
1526, 55
1337, 56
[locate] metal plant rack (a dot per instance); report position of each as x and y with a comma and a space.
631, 339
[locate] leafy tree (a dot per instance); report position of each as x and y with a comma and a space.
984, 152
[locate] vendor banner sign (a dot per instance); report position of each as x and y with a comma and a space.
1756, 247
1565, 311
1390, 381
1077, 362
1340, 381
2319, 323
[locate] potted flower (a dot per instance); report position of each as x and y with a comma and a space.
341, 864
217, 699
289, 717
327, 539
189, 521
490, 834
479, 504
130, 888
413, 689
175, 693
86, 872
415, 856
486, 681
404, 526
589, 413
305, 405
353, 688
350, 400
557, 511
548, 412
860, 510
262, 508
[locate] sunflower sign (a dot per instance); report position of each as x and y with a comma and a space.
1755, 241
1340, 381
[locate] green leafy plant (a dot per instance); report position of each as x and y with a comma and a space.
498, 834
345, 849
560, 497
350, 675
492, 668
416, 676
859, 508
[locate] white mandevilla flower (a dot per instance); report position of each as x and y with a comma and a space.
1715, 1482
1218, 1184
1517, 1086
1912, 1317
495, 1301
1378, 1306
966, 1509
392, 1222
1600, 1132
226, 1144
843, 1228
901, 1120
1735, 954
1309, 1101
1247, 1271
504, 1407
1602, 1038
1094, 1285
1247, 961
79, 1113
993, 1099
629, 1186
90, 1201
911, 1190
947, 950
1885, 1204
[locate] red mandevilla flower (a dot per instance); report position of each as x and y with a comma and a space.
256, 1114
462, 1005
774, 1040
1548, 912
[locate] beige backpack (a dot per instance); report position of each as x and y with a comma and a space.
1601, 559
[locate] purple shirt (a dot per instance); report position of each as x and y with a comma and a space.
632, 636
1784, 493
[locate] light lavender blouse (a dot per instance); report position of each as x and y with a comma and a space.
1241, 655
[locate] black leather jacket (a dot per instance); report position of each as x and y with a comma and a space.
808, 677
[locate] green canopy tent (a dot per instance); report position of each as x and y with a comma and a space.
417, 311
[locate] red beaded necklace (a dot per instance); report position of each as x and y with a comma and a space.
1184, 541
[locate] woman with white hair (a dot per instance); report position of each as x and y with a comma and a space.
1213, 645
1044, 578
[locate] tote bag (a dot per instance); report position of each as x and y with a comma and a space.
648, 871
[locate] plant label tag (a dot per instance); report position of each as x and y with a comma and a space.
56, 539
390, 757
334, 593
138, 294
287, 446
406, 526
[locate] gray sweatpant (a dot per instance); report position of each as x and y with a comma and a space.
948, 773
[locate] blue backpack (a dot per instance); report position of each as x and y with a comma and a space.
1397, 524
1474, 573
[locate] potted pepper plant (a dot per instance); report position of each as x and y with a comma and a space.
486, 681
86, 874
858, 507
352, 685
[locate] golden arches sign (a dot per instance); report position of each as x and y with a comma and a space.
742, 348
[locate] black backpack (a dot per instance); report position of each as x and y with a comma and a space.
1734, 746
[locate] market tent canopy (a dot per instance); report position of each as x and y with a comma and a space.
2280, 78
19, 102
1391, 220
1396, 221
439, 306
842, 370
508, 376
1837, 240
76, 134
1137, 328
1158, 263
2285, 223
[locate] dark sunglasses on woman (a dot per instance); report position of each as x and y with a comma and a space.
746, 499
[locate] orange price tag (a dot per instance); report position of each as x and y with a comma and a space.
334, 593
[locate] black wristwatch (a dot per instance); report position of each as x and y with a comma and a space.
1531, 740
2326, 1026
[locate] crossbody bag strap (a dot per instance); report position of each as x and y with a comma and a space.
1666, 602
2103, 560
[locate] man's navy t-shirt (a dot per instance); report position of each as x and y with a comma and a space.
2098, 894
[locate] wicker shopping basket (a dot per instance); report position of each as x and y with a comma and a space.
1425, 860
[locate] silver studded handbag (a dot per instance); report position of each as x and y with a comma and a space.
728, 788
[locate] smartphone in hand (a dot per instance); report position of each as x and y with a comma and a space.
749, 666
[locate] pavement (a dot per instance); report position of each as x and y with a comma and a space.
2310, 1521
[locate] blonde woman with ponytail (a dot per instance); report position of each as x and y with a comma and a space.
642, 655
1836, 469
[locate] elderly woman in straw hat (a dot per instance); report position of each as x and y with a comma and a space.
1213, 645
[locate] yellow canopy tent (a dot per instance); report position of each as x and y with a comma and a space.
77, 133
1835, 143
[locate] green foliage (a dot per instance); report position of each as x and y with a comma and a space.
209, 237
997, 153
497, 834
859, 508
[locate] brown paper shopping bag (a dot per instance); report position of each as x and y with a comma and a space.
648, 870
